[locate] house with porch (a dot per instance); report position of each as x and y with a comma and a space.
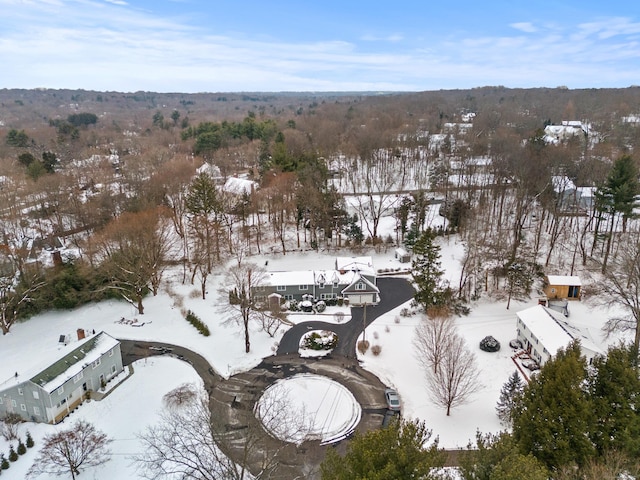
543, 331
353, 279
48, 393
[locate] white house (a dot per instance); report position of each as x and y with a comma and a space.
543, 331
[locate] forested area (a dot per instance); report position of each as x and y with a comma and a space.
102, 192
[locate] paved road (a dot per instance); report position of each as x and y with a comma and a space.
232, 401
393, 293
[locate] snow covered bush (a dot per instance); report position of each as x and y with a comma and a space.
489, 344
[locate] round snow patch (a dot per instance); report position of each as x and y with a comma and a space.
308, 407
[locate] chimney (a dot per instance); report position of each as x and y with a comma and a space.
81, 333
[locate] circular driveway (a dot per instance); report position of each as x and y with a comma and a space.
232, 401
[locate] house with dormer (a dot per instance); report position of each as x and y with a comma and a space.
47, 393
353, 279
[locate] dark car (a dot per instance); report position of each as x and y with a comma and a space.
393, 399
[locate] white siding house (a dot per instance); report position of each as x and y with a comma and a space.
543, 332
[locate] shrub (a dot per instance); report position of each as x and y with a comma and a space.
193, 319
325, 341
405, 312
21, 448
375, 335
489, 344
9, 426
321, 306
4, 463
387, 329
396, 319
376, 349
363, 346
29, 440
338, 316
13, 456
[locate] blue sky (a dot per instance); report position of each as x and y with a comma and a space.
279, 45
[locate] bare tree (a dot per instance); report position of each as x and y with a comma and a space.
240, 295
431, 340
15, 294
620, 288
456, 377
9, 426
191, 442
69, 451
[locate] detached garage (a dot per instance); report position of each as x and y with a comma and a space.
361, 292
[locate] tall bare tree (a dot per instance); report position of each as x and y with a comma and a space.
70, 451
431, 340
456, 378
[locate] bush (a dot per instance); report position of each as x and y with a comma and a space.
363, 346
405, 312
4, 463
489, 344
193, 319
325, 341
21, 448
321, 306
29, 440
338, 316
376, 349
375, 335
13, 456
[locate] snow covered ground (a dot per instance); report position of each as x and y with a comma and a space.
134, 405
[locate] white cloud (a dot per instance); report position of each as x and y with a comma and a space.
524, 27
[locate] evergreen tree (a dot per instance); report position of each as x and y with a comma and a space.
13, 456
496, 457
398, 451
615, 390
21, 448
427, 271
508, 395
4, 463
29, 440
554, 415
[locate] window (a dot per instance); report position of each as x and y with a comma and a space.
360, 286
36, 411
321, 284
303, 287
61, 390
335, 284
96, 363
23, 407
111, 352
14, 403
288, 297
36, 395
20, 391
281, 288
78, 377
113, 369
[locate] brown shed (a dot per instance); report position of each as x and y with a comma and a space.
563, 286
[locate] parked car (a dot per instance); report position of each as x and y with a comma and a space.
393, 399
531, 364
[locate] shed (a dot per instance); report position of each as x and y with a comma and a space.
402, 255
563, 286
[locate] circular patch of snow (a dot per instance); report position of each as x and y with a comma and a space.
308, 407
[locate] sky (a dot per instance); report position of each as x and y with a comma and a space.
223, 46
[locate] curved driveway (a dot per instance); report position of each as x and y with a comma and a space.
393, 293
232, 400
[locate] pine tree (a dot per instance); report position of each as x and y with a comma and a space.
427, 271
554, 415
13, 456
4, 463
508, 394
21, 448
29, 440
615, 388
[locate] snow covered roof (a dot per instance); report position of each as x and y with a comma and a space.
564, 280
74, 361
361, 264
308, 277
553, 331
212, 170
357, 279
239, 186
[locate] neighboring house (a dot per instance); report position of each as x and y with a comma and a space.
239, 186
543, 332
213, 171
557, 134
402, 255
354, 281
563, 286
49, 394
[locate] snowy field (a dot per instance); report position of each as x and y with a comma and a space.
134, 405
